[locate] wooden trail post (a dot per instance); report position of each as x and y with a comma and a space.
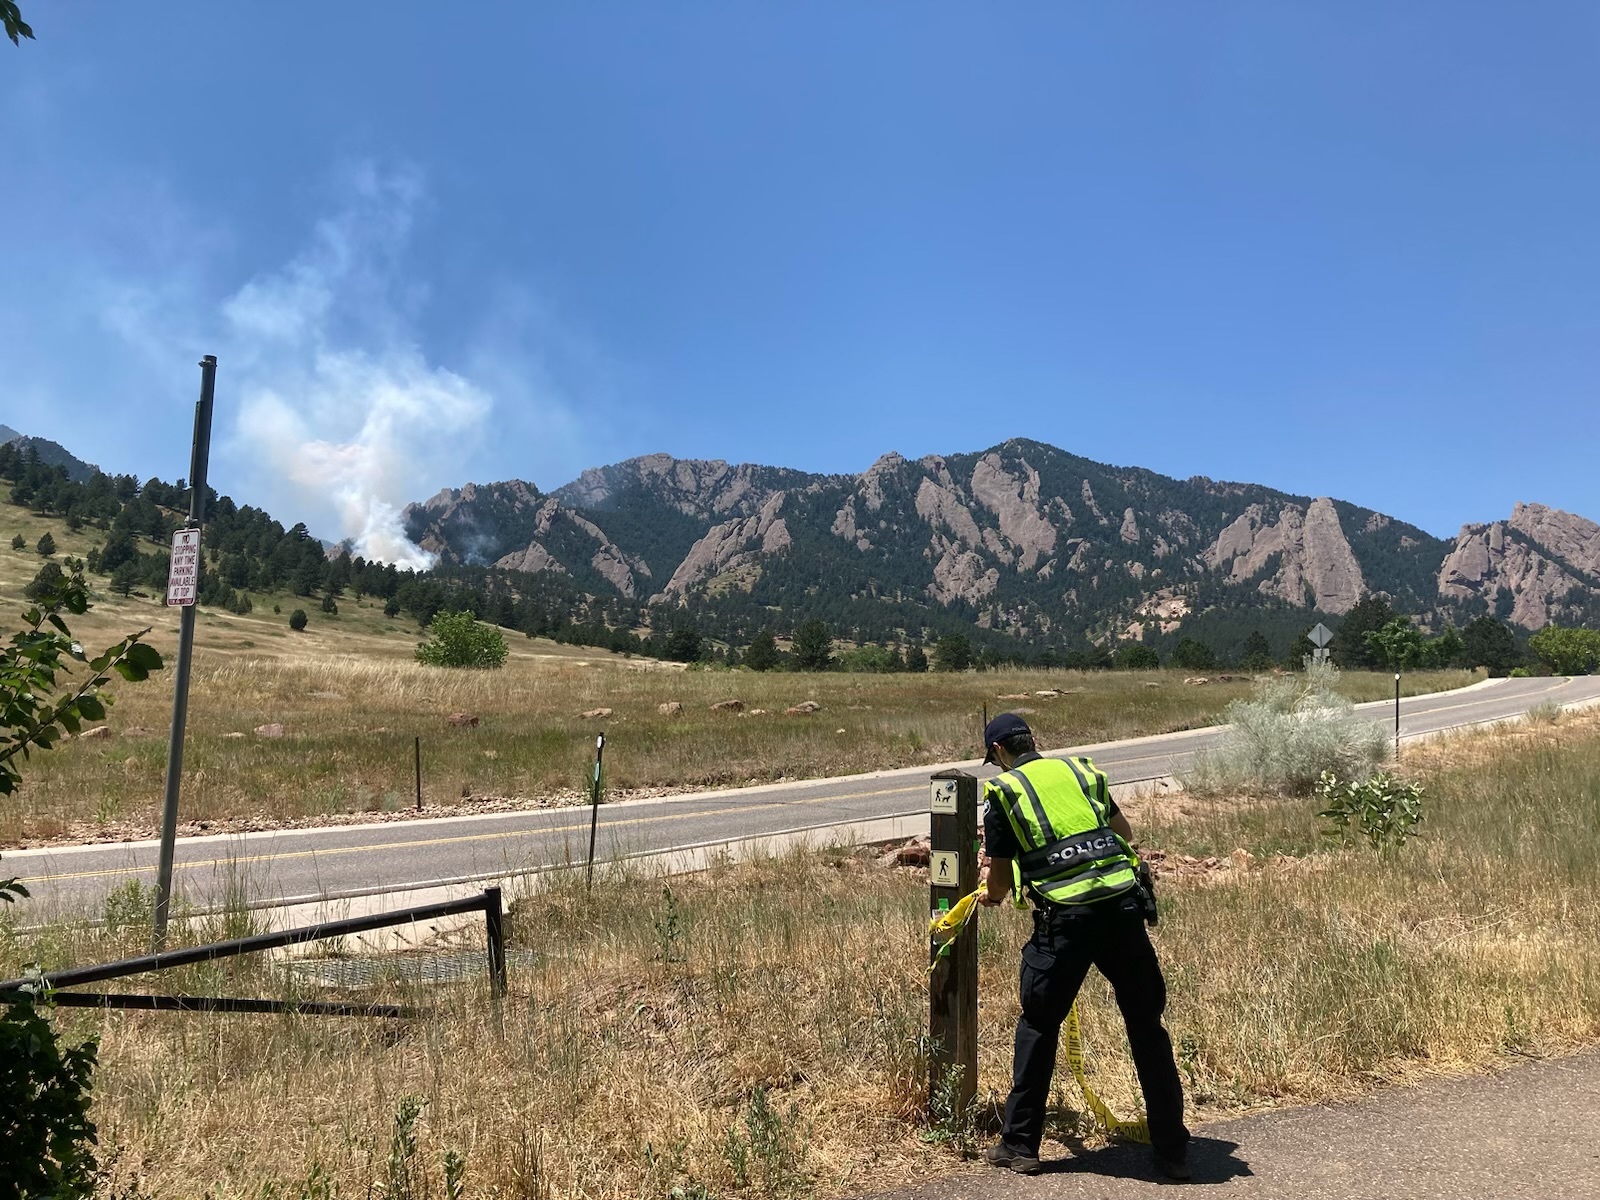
953, 985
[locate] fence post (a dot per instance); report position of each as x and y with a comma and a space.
495, 928
953, 984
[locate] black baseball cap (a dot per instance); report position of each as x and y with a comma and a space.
999, 729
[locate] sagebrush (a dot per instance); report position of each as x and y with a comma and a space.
1294, 729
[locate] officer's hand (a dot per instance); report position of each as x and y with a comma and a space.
988, 901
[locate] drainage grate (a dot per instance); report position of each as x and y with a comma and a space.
458, 966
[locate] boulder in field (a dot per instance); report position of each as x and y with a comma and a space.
273, 730
804, 709
463, 720
728, 706
97, 733
670, 709
915, 853
596, 714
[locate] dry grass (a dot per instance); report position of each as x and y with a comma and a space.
756, 1033
352, 700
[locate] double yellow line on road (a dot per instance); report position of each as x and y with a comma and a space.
571, 827
421, 843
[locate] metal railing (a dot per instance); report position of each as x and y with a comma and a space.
15, 991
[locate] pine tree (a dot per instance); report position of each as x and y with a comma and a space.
47, 544
1489, 643
762, 653
1192, 654
683, 645
1257, 652
813, 646
1135, 656
1350, 648
916, 660
125, 578
953, 652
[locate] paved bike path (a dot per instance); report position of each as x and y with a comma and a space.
1530, 1131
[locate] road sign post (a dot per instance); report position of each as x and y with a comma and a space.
953, 983
1320, 636
594, 805
1397, 716
183, 586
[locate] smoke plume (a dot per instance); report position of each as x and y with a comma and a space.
340, 410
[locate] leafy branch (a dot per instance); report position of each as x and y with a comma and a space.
32, 712
16, 27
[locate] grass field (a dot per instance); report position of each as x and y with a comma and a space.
351, 700
755, 1030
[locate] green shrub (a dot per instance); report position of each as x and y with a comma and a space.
297, 619
1383, 809
46, 1136
1567, 651
460, 640
1294, 729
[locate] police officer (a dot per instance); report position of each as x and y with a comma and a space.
1053, 832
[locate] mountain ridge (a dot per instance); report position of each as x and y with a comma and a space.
1024, 537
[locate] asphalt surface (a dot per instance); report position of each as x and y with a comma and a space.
306, 864
1531, 1131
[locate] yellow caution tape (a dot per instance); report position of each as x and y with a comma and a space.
944, 928
945, 925
1134, 1131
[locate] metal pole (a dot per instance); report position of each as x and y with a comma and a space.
418, 749
953, 982
1397, 716
495, 930
199, 461
594, 806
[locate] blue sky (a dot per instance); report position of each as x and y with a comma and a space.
1342, 249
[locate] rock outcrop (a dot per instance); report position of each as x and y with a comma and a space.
1304, 552
695, 487
730, 545
1543, 559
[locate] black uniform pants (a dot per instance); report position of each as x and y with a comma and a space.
1064, 945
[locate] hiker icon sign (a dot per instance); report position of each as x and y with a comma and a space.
942, 869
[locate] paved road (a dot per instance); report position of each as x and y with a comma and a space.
307, 864
1528, 1133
